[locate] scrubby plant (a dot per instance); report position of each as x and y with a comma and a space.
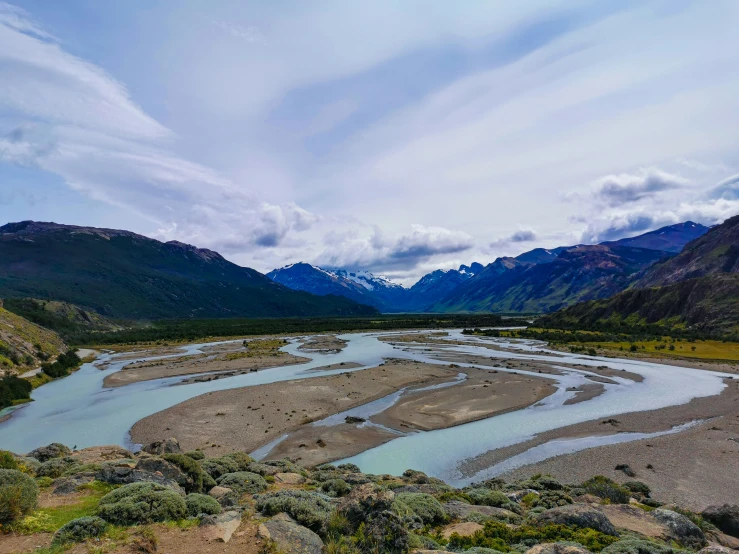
76, 469
310, 509
196, 454
608, 489
639, 546
422, 542
541, 483
201, 504
382, 532
44, 482
349, 468
215, 467
424, 506
242, 459
80, 529
413, 476
550, 499
286, 466
18, 495
638, 487
486, 497
53, 450
7, 460
201, 480
335, 487
243, 482
263, 469
56, 467
142, 503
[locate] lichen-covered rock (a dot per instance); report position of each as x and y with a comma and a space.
558, 548
289, 536
80, 529
50, 451
100, 454
682, 529
168, 446
577, 515
167, 469
69, 485
716, 549
227, 498
724, 517
461, 510
222, 526
123, 473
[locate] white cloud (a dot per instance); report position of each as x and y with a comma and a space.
625, 188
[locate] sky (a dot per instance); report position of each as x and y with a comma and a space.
395, 137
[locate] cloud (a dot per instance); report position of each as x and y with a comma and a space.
728, 189
525, 235
626, 188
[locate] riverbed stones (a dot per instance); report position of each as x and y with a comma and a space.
289, 536
724, 517
222, 526
577, 515
168, 446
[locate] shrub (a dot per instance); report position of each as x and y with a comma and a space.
349, 468
215, 467
638, 487
551, 499
382, 532
192, 469
53, 450
639, 546
201, 504
56, 467
196, 454
285, 466
141, 503
18, 495
608, 489
335, 487
486, 497
76, 469
310, 509
7, 460
424, 506
243, 482
413, 476
80, 529
242, 459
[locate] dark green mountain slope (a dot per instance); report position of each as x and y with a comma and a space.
124, 275
699, 290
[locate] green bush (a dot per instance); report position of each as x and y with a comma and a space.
541, 483
606, 488
639, 546
201, 504
142, 503
487, 497
193, 470
80, 529
242, 459
215, 467
424, 506
56, 467
7, 460
335, 487
196, 454
638, 487
82, 468
18, 495
53, 450
243, 482
310, 509
550, 499
382, 532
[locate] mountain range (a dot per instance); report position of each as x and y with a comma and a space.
540, 280
697, 289
124, 275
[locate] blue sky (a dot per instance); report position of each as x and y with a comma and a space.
397, 137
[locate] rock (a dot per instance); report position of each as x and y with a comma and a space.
226, 497
122, 474
464, 529
557, 548
716, 549
169, 446
220, 527
722, 539
578, 515
631, 518
166, 469
724, 517
69, 485
517, 496
354, 419
289, 478
49, 452
289, 536
460, 510
588, 499
100, 454
682, 529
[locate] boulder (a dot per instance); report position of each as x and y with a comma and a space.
123, 474
69, 485
226, 497
289, 478
578, 515
289, 536
636, 520
49, 452
100, 454
716, 549
464, 529
220, 527
167, 469
460, 510
724, 517
557, 548
169, 446
681, 528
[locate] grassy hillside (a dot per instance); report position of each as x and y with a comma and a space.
123, 275
24, 345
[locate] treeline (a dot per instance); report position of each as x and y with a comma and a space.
191, 330
12, 389
63, 365
557, 336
